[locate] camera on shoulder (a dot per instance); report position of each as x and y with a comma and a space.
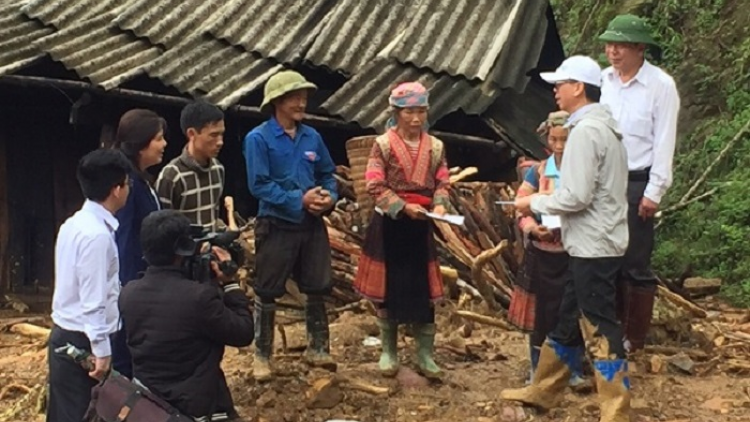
198, 253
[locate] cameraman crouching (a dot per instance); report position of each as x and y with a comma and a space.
177, 327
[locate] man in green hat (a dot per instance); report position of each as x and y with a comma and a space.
290, 172
644, 101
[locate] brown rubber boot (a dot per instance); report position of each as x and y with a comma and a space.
550, 379
613, 386
639, 311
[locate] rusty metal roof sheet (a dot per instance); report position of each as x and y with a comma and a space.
17, 35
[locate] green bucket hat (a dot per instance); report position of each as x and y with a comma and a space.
282, 83
629, 29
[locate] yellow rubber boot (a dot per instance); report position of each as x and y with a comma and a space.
613, 385
550, 379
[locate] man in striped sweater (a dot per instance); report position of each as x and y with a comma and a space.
194, 182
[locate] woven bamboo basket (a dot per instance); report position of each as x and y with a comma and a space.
357, 151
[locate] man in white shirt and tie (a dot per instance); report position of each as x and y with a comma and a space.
645, 102
84, 305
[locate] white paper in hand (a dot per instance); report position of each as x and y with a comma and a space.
457, 220
551, 221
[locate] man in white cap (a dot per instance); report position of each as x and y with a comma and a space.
592, 206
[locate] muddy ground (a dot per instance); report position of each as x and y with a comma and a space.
496, 360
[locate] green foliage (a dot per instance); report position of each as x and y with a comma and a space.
706, 50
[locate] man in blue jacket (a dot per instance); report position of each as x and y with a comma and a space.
290, 171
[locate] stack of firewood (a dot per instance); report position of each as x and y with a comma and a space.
479, 259
487, 226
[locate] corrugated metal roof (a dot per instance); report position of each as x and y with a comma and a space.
195, 62
474, 39
17, 34
280, 29
207, 67
520, 115
356, 31
169, 22
68, 13
99, 52
363, 99
466, 51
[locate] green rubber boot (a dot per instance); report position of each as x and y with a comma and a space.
389, 340
424, 334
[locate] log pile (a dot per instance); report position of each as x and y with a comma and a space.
487, 228
479, 259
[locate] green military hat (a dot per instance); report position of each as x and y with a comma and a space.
629, 29
282, 83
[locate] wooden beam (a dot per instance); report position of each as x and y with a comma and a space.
242, 110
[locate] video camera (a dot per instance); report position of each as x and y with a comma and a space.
197, 263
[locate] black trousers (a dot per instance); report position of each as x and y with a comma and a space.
284, 249
69, 384
588, 305
636, 267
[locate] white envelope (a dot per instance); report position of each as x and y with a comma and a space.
551, 221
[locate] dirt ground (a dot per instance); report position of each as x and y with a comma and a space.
496, 359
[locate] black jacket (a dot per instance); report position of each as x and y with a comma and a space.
177, 329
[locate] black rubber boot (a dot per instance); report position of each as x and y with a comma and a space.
264, 330
318, 348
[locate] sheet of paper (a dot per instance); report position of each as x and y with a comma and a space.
551, 221
457, 220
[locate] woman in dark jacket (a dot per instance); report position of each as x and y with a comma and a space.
140, 135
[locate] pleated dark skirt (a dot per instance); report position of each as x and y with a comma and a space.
398, 269
539, 289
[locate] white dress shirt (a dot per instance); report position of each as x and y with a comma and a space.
646, 109
86, 276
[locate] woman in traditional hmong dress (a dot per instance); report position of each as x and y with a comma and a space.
407, 175
539, 287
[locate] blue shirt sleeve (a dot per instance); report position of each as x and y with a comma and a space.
259, 180
325, 169
532, 176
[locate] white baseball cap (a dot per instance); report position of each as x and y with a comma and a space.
576, 68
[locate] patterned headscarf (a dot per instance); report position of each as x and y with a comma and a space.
556, 118
407, 94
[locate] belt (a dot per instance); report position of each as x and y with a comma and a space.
639, 175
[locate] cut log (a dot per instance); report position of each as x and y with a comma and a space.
678, 300
487, 320
478, 277
30, 330
6, 324
360, 385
